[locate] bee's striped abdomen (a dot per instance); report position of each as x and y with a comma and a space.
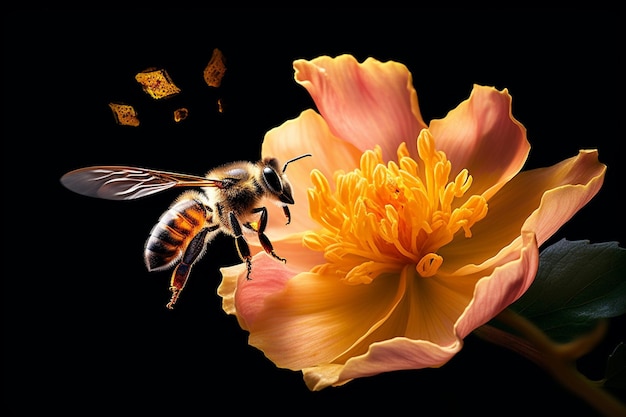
176, 228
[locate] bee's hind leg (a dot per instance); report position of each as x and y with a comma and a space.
194, 251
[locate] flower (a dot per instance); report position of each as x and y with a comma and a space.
405, 237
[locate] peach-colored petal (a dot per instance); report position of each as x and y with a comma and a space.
583, 178
299, 326
322, 376
367, 104
297, 257
481, 134
308, 133
228, 288
505, 285
538, 200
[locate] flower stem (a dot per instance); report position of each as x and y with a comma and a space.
557, 359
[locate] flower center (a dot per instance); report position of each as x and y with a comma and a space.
380, 217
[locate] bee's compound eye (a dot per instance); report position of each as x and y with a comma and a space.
271, 179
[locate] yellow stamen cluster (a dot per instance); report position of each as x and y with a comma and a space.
381, 217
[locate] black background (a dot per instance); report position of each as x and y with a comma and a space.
85, 328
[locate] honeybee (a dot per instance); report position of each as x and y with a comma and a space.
230, 199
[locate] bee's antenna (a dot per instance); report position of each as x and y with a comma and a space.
295, 159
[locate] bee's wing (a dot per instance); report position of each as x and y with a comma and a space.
128, 183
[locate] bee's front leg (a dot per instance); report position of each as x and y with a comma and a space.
265, 242
240, 241
287, 213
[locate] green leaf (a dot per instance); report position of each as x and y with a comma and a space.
577, 284
616, 368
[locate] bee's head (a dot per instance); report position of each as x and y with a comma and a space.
275, 179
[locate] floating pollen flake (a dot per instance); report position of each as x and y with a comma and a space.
157, 83
215, 69
180, 114
124, 114
214, 72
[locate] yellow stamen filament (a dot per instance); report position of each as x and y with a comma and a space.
381, 217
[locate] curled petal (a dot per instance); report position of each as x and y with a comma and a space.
482, 136
581, 179
367, 104
389, 355
505, 285
539, 200
228, 287
322, 376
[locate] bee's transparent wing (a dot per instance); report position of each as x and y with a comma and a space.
128, 183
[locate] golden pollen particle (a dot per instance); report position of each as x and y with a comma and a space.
180, 114
157, 83
215, 69
124, 114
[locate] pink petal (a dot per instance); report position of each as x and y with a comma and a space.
482, 135
367, 104
244, 298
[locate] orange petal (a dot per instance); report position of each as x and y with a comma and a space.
367, 104
428, 310
299, 326
434, 305
308, 133
538, 200
481, 134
